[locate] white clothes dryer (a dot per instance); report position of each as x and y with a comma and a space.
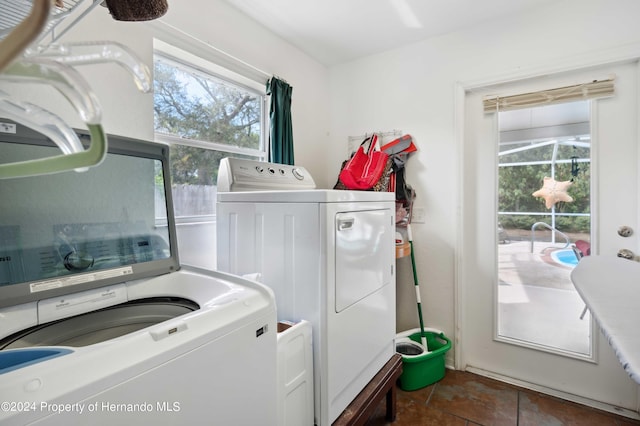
99, 324
329, 257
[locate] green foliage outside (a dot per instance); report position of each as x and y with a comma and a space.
203, 109
517, 184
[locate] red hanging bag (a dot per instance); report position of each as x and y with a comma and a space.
364, 170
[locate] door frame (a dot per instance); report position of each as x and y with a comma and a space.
626, 54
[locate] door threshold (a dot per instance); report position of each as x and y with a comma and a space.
557, 393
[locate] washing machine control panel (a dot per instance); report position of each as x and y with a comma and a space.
236, 174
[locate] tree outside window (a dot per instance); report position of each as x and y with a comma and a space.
204, 119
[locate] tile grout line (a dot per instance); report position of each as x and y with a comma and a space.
433, 390
517, 407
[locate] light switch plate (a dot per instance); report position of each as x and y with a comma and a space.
417, 215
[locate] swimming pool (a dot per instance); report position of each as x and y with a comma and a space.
565, 257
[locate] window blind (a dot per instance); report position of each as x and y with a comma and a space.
578, 92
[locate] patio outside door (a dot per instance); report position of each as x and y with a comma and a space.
614, 203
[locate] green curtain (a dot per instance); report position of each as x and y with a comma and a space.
281, 132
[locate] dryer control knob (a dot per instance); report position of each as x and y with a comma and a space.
297, 174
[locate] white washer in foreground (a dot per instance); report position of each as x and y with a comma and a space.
99, 324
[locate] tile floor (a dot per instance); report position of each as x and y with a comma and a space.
466, 399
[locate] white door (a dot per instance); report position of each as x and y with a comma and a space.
614, 193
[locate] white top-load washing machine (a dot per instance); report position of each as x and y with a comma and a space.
99, 324
329, 257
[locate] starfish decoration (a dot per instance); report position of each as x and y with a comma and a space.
553, 191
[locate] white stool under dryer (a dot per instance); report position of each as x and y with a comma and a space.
295, 374
329, 258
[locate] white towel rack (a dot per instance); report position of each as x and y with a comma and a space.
27, 29
13, 12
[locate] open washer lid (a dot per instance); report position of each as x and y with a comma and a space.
68, 232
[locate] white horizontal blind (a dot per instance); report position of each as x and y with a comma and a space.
578, 92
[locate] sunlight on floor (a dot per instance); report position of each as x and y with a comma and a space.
512, 294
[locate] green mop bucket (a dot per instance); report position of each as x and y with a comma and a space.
419, 371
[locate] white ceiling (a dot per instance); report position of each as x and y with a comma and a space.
338, 31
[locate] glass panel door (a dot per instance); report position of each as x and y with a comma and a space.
544, 226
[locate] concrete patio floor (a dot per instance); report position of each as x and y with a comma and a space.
537, 301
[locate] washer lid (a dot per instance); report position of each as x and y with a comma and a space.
68, 232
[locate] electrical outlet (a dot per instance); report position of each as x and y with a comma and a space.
417, 215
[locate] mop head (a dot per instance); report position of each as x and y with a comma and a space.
137, 10
408, 348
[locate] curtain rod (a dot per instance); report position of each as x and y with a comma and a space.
159, 23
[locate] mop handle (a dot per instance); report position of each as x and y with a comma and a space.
417, 287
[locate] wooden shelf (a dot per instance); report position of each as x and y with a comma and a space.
403, 250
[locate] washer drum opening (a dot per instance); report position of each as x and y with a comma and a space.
102, 325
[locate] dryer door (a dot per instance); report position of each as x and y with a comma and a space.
362, 255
